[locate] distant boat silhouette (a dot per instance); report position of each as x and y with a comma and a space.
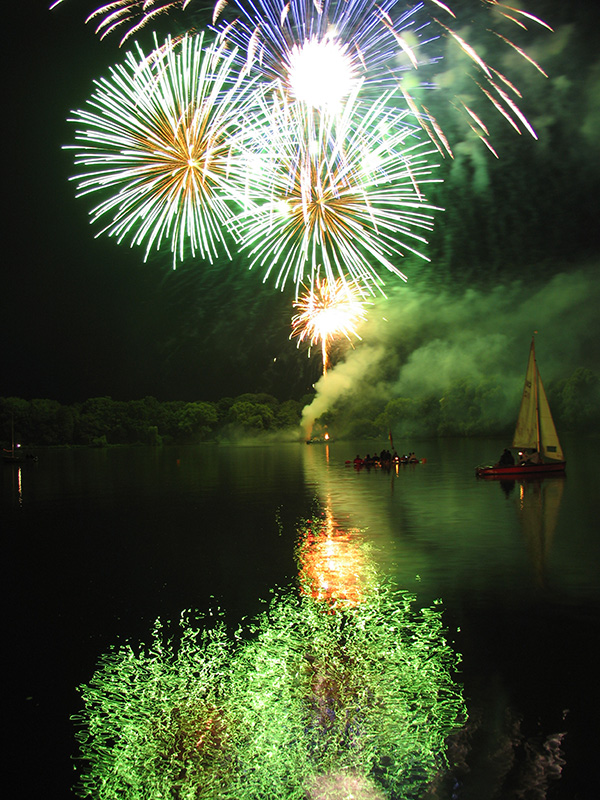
12, 456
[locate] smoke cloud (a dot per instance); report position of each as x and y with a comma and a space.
419, 343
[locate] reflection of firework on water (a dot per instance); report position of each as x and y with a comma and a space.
327, 46
325, 312
153, 718
158, 139
281, 709
334, 564
341, 193
128, 17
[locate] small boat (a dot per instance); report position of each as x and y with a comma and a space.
535, 440
324, 439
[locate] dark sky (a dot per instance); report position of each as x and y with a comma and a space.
85, 317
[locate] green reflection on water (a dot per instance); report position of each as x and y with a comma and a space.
309, 700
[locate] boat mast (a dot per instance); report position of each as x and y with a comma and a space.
537, 402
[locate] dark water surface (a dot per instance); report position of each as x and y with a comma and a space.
99, 543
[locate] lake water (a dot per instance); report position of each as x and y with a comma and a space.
100, 543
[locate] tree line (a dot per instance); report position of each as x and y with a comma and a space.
101, 421
464, 409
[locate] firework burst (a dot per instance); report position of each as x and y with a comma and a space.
327, 311
343, 193
317, 51
158, 138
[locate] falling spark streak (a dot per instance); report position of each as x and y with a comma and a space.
134, 13
521, 53
141, 24
487, 144
475, 118
444, 7
252, 47
502, 111
506, 82
533, 18
219, 7
327, 311
421, 119
404, 46
466, 47
515, 109
515, 20
159, 140
440, 133
482, 138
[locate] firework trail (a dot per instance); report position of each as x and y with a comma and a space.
158, 138
327, 311
343, 193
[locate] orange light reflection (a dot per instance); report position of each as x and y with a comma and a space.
333, 564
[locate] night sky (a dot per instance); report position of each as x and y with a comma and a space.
85, 317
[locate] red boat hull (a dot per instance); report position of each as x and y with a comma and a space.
517, 471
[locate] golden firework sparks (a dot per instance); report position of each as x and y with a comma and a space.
327, 311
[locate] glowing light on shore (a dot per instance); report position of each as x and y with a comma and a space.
157, 139
325, 312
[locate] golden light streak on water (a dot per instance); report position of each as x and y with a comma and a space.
333, 565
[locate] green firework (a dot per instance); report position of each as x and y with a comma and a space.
157, 142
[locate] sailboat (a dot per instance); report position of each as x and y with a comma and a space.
535, 440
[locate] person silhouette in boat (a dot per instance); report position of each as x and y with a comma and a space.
506, 459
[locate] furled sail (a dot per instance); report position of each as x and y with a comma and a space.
535, 427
